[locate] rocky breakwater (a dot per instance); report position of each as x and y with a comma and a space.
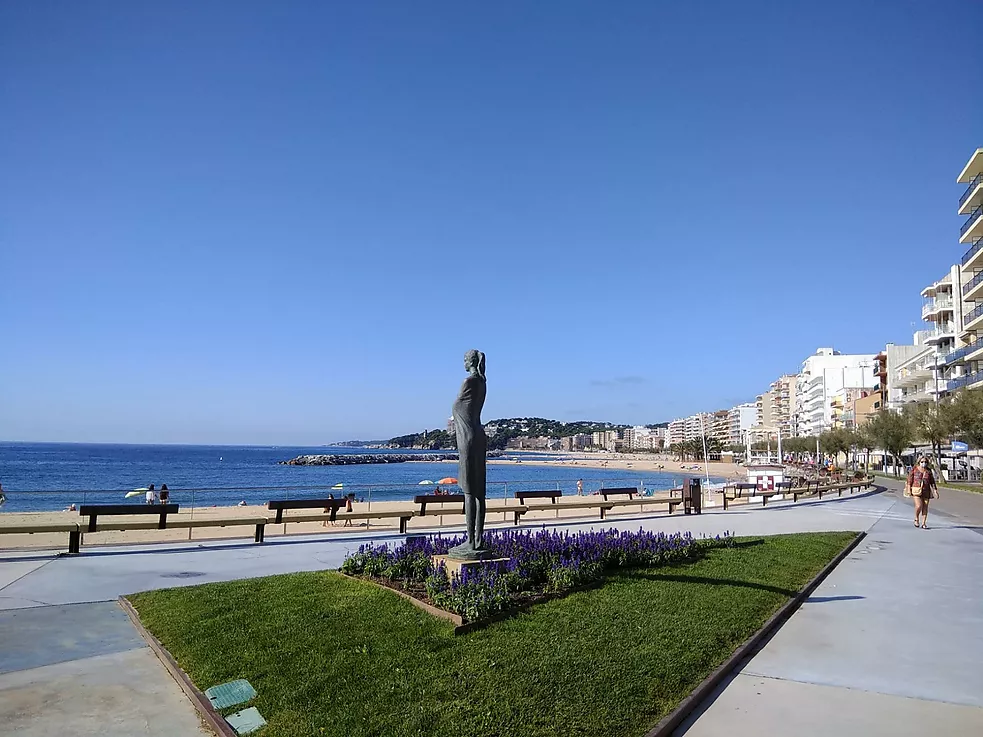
355, 459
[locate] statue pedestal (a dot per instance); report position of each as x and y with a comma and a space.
456, 565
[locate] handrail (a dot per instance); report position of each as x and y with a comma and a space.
973, 217
977, 245
973, 183
973, 282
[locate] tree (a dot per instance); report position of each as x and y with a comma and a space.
932, 423
866, 441
967, 416
836, 441
893, 433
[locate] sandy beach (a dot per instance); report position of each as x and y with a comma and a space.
631, 462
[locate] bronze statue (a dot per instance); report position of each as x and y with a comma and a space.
472, 445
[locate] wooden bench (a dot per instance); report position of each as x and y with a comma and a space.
94, 511
522, 496
30, 528
628, 491
424, 499
333, 506
644, 501
739, 490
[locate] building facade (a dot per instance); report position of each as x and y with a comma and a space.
739, 420
823, 374
964, 363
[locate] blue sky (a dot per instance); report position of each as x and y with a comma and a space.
285, 223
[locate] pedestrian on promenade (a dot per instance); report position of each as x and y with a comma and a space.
151, 495
348, 508
165, 495
922, 487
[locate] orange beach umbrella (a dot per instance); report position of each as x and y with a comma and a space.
448, 480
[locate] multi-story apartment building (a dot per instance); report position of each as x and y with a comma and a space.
676, 432
823, 374
643, 438
579, 441
783, 398
964, 363
764, 407
719, 425
739, 420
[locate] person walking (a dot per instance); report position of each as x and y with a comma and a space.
922, 486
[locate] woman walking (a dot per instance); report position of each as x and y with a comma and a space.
922, 487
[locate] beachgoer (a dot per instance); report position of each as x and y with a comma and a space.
242, 503
164, 494
70, 508
3, 498
330, 509
348, 508
151, 495
580, 487
922, 486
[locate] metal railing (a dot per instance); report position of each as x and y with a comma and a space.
974, 314
973, 282
973, 184
365, 495
973, 250
966, 380
973, 217
936, 306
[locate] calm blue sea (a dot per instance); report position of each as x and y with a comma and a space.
50, 476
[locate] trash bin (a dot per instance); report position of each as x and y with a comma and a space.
692, 497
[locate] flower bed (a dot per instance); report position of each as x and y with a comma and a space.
540, 565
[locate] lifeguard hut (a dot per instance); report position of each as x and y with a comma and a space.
763, 468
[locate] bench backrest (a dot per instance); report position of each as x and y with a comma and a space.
784, 485
280, 504
628, 491
99, 509
424, 499
548, 494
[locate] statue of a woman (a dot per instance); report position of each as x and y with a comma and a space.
471, 447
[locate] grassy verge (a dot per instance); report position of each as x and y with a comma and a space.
333, 656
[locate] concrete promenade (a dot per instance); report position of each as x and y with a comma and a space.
889, 644
70, 663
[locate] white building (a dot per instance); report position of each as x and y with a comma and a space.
964, 364
739, 420
823, 374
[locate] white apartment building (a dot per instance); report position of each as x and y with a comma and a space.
964, 363
823, 374
740, 419
643, 438
676, 432
783, 399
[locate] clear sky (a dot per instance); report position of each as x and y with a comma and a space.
256, 222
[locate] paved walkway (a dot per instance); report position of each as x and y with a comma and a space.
51, 602
889, 644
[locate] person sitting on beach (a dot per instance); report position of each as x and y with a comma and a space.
151, 495
242, 503
70, 508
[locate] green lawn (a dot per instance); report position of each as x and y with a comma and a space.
333, 656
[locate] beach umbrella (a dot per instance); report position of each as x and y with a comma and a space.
425, 482
448, 480
338, 486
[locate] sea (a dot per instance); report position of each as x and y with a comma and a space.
51, 476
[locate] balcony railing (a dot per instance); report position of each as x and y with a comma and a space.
974, 314
961, 353
973, 183
935, 305
977, 245
973, 282
976, 214
966, 380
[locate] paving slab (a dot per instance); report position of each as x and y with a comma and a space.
39, 636
121, 694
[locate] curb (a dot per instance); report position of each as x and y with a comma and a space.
688, 705
201, 703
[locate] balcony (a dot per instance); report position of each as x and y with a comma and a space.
936, 306
973, 195
973, 258
940, 334
973, 290
961, 353
974, 319
973, 227
968, 380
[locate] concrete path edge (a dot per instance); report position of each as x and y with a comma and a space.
201, 703
692, 702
